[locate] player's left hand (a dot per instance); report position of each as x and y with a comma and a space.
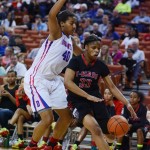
132, 112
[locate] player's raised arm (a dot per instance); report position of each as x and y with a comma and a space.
54, 28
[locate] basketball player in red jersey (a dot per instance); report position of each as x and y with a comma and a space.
81, 78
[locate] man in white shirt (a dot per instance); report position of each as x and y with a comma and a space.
16, 66
138, 55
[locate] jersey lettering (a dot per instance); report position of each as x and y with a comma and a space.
66, 56
85, 83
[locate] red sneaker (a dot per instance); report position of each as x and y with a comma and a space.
57, 147
31, 148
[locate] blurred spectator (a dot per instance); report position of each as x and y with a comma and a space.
2, 69
31, 6
7, 98
123, 8
38, 25
85, 35
88, 25
4, 44
0, 40
16, 66
34, 51
93, 11
139, 56
19, 46
115, 53
132, 35
105, 56
21, 57
104, 25
133, 3
81, 10
127, 32
99, 16
115, 2
95, 30
128, 64
111, 33
42, 7
142, 21
115, 18
3, 14
2, 31
9, 21
26, 23
6, 58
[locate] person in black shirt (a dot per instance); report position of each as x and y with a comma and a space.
8, 101
140, 125
129, 64
81, 80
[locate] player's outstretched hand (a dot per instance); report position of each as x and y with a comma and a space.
94, 99
132, 112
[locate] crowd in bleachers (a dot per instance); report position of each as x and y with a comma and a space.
122, 25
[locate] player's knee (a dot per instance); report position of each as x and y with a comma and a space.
47, 121
97, 131
18, 111
67, 119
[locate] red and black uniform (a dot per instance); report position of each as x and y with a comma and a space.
86, 78
142, 121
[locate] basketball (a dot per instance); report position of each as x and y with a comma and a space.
118, 126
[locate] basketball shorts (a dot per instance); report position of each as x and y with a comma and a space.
45, 94
98, 110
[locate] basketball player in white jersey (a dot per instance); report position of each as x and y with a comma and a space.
42, 85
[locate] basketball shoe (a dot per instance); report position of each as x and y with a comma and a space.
4, 132
73, 147
18, 144
57, 147
42, 145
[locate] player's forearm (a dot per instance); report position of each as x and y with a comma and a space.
119, 96
70, 85
56, 8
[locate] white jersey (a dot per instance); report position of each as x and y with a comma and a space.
52, 58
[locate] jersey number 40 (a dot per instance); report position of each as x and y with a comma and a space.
66, 56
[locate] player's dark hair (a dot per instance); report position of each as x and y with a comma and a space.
64, 15
91, 38
140, 95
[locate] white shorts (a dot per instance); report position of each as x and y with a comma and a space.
44, 94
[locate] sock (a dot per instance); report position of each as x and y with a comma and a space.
33, 143
20, 136
93, 143
45, 139
52, 142
139, 146
77, 143
118, 146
